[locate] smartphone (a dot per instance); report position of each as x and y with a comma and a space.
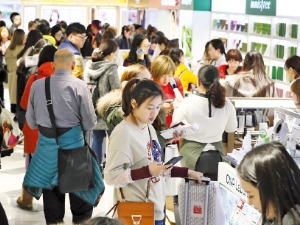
173, 161
140, 51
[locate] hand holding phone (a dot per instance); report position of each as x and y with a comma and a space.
139, 51
173, 161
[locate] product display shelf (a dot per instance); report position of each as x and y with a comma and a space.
276, 38
287, 129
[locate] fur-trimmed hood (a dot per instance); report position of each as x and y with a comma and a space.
112, 98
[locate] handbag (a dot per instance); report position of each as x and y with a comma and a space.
137, 213
10, 132
75, 170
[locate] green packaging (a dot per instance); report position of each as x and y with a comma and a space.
280, 73
274, 72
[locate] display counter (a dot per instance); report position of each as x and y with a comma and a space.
234, 139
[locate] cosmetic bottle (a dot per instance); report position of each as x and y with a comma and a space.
246, 146
290, 145
241, 120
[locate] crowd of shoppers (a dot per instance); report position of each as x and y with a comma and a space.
132, 108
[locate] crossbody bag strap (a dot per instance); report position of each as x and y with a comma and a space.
49, 105
148, 183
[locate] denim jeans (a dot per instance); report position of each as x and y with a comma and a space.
159, 222
98, 137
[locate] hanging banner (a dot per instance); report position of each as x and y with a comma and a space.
261, 7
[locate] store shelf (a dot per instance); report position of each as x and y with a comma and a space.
274, 37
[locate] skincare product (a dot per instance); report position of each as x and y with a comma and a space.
241, 120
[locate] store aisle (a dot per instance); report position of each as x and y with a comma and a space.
11, 178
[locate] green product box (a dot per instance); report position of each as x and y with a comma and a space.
263, 48
280, 73
274, 72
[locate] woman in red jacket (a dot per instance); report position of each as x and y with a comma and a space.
162, 70
233, 59
45, 69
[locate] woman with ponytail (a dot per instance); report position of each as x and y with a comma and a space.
292, 68
102, 71
212, 113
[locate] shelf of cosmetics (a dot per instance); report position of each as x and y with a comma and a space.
286, 130
277, 49
287, 30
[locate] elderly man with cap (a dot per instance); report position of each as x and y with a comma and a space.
96, 35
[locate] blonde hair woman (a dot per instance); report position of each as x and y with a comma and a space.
162, 70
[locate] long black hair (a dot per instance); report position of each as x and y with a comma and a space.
140, 90
209, 76
136, 42
262, 82
218, 44
271, 169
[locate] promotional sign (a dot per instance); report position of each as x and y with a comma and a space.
69, 14
7, 9
228, 177
107, 15
261, 7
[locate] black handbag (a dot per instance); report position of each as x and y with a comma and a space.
75, 168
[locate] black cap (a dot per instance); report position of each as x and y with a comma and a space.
97, 23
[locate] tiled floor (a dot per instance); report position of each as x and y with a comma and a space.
11, 177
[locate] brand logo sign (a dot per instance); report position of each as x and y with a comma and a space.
227, 176
261, 7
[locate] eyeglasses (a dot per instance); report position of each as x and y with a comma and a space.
81, 37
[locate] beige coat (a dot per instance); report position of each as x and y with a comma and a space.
11, 61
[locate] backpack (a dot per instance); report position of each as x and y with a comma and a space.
94, 89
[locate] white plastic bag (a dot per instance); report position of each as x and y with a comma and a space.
172, 183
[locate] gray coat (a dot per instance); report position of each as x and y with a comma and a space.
106, 72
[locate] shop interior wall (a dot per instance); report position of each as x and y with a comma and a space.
198, 21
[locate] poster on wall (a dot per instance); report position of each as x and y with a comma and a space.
6, 10
30, 12
107, 15
69, 14
133, 16
174, 24
186, 25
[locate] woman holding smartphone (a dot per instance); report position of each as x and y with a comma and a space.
138, 52
134, 155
